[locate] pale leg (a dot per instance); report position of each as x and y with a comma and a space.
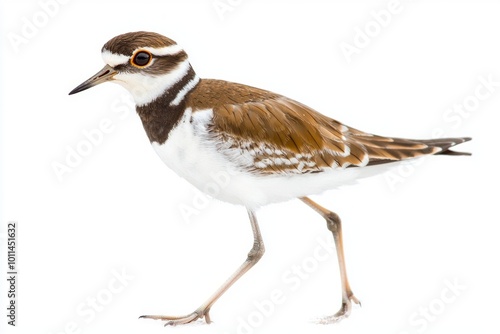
203, 311
334, 225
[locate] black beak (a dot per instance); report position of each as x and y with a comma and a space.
106, 74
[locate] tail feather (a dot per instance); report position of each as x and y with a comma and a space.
382, 153
446, 143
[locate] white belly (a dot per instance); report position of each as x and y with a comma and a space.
190, 154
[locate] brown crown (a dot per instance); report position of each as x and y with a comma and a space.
125, 44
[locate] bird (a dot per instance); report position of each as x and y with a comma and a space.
267, 148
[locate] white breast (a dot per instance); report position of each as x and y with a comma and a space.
192, 154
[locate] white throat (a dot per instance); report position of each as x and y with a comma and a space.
147, 88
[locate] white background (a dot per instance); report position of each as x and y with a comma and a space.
119, 209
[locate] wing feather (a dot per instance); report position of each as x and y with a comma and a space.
280, 135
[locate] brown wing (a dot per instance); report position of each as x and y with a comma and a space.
270, 133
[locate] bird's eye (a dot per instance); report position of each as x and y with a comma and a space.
141, 58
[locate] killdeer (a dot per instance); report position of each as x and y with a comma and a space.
269, 147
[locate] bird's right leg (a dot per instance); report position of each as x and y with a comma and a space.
334, 225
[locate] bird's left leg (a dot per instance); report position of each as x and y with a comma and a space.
203, 311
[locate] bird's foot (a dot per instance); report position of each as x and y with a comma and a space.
343, 313
182, 320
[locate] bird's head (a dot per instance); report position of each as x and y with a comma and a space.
147, 64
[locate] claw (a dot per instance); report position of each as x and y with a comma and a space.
343, 313
182, 320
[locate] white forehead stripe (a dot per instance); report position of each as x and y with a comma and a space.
114, 59
164, 51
